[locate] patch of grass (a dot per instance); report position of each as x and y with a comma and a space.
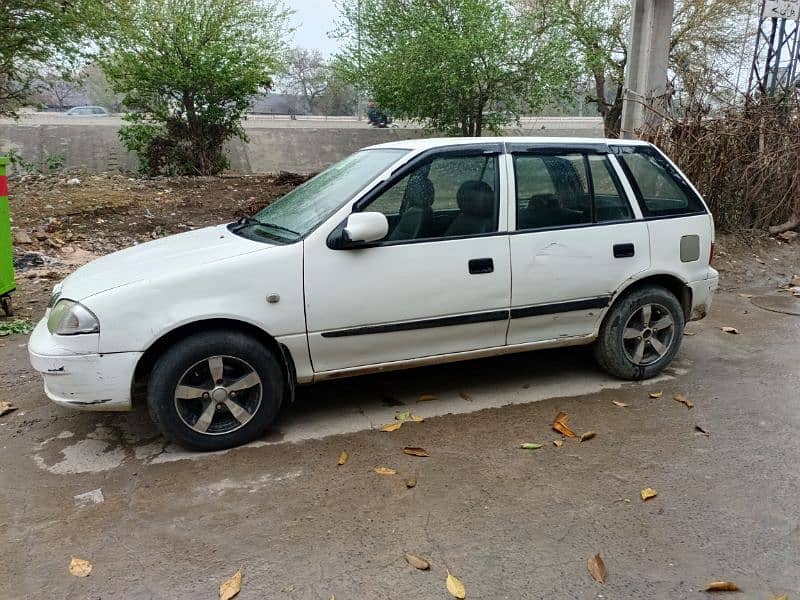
15, 326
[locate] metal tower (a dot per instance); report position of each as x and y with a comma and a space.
774, 72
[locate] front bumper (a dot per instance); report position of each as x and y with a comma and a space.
85, 381
702, 294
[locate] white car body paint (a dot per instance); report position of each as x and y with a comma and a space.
143, 293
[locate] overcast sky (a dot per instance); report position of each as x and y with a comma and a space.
313, 19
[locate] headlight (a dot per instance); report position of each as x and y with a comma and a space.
54, 296
70, 318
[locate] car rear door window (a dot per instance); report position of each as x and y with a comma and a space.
611, 205
569, 189
660, 189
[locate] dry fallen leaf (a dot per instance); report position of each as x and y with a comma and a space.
618, 403
597, 568
455, 586
683, 400
530, 446
465, 396
426, 398
690, 333
384, 471
701, 429
392, 426
231, 586
6, 407
760, 261
587, 435
560, 425
656, 394
648, 493
729, 330
558, 443
418, 562
745, 296
411, 482
80, 567
722, 586
781, 597
413, 451
406, 415
343, 458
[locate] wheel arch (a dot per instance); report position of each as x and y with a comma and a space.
145, 365
669, 281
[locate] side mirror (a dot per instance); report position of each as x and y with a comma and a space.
365, 227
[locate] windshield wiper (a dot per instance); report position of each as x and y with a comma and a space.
248, 221
278, 227
245, 221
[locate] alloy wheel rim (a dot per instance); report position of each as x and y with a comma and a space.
648, 334
218, 395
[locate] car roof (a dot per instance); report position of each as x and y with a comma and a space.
429, 143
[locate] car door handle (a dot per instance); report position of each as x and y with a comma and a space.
478, 266
623, 250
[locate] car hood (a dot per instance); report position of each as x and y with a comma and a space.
156, 259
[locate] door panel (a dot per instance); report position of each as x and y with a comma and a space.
396, 302
580, 245
569, 274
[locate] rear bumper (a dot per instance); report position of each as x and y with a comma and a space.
702, 294
82, 381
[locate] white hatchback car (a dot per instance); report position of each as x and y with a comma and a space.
403, 254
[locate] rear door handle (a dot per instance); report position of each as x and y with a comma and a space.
478, 266
624, 250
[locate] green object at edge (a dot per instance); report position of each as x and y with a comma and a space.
6, 252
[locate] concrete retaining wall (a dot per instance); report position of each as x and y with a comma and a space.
94, 146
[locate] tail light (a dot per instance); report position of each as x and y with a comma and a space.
711, 254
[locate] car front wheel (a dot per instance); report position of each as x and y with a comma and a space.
640, 334
214, 390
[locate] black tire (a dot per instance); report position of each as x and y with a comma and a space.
185, 359
616, 354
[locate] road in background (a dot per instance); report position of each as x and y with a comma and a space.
589, 125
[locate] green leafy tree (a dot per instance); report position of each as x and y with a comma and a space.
459, 66
188, 71
706, 34
46, 35
339, 97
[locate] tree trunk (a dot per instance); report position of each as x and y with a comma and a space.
611, 113
479, 121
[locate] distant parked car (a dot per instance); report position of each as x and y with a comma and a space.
87, 111
405, 254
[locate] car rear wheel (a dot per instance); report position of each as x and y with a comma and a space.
640, 334
214, 390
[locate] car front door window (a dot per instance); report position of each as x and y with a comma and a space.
446, 196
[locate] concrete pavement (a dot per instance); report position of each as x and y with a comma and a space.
510, 523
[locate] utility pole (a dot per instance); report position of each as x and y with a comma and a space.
648, 55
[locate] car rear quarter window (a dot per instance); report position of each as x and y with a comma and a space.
659, 188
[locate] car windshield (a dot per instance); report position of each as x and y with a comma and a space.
294, 215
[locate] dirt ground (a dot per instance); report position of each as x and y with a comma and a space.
158, 522
62, 221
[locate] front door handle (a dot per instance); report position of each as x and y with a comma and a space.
478, 266
623, 250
